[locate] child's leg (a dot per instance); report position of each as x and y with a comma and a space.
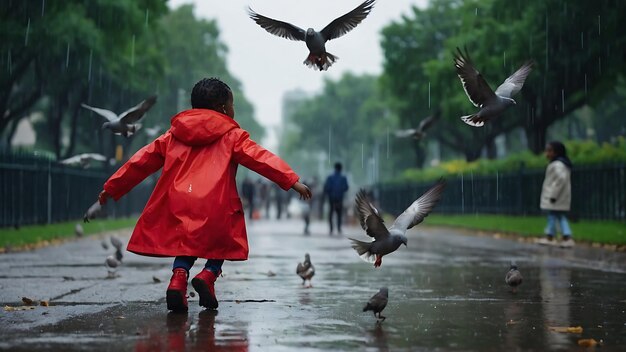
214, 266
566, 231
550, 229
184, 262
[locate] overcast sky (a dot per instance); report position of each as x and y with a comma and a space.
269, 66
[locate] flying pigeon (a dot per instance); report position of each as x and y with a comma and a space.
306, 270
116, 242
377, 303
126, 123
111, 264
78, 230
419, 132
94, 211
388, 240
513, 278
480, 94
315, 41
84, 160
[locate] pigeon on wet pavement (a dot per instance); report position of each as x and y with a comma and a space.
491, 103
116, 242
306, 270
377, 303
125, 123
513, 277
318, 56
78, 230
388, 240
420, 131
111, 264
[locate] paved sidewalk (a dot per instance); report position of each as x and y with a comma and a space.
446, 292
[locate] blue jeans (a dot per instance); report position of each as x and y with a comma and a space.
553, 217
214, 265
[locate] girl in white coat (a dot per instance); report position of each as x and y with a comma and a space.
556, 194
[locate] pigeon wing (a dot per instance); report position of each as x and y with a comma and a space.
108, 114
347, 22
276, 27
405, 133
514, 83
427, 123
135, 113
73, 160
94, 156
378, 301
420, 209
475, 86
369, 217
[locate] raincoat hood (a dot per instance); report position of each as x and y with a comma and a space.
201, 126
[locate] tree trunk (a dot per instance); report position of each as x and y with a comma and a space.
73, 127
420, 154
492, 149
536, 136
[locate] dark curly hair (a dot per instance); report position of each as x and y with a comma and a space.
210, 93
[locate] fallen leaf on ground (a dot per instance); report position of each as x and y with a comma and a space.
27, 301
588, 342
120, 317
567, 329
511, 322
12, 309
44, 303
271, 273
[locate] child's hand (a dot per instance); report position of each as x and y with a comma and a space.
102, 197
303, 190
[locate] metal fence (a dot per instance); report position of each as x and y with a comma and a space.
598, 192
38, 190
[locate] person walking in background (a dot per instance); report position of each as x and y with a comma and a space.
335, 188
247, 189
556, 194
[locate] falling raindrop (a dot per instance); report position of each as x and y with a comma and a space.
547, 47
429, 94
497, 185
585, 84
387, 142
362, 157
27, 31
562, 100
329, 145
132, 53
472, 190
90, 57
67, 56
9, 62
43, 7
147, 16
582, 40
477, 11
598, 25
599, 65
462, 196
504, 59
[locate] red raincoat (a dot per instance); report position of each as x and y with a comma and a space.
194, 209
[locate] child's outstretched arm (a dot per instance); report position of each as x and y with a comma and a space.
145, 162
260, 160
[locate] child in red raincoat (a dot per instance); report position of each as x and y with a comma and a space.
194, 210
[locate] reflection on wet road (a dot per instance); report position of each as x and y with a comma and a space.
446, 292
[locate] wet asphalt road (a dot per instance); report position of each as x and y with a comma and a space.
446, 292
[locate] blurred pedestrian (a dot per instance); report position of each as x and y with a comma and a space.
195, 210
247, 188
556, 194
335, 188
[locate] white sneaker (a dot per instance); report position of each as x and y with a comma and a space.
568, 243
545, 241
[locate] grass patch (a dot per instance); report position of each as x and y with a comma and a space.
38, 233
607, 232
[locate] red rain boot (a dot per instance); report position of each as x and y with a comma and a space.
203, 283
176, 295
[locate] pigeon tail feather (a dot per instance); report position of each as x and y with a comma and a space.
322, 62
363, 249
367, 307
472, 120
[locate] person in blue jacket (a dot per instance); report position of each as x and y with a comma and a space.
335, 188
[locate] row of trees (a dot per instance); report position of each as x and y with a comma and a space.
111, 54
580, 55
